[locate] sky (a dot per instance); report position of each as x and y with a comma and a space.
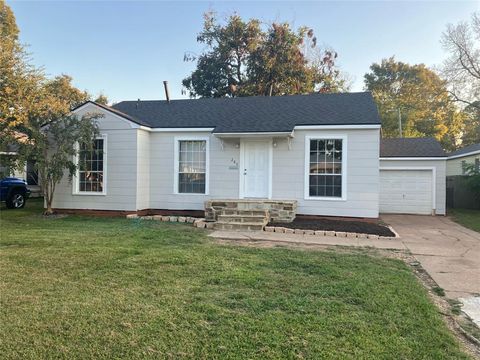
126, 49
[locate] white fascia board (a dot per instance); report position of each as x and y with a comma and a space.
254, 134
412, 158
132, 124
335, 127
464, 155
178, 129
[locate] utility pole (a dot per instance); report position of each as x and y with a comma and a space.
400, 122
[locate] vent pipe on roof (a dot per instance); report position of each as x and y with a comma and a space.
167, 95
137, 104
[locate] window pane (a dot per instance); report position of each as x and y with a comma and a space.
325, 167
192, 166
91, 167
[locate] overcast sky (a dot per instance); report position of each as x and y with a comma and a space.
126, 49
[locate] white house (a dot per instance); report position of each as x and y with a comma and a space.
319, 152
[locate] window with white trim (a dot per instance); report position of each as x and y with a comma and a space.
91, 165
325, 170
192, 166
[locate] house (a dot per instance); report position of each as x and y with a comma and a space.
458, 159
312, 154
459, 192
27, 172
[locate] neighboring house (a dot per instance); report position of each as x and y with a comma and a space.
27, 173
459, 192
458, 159
319, 152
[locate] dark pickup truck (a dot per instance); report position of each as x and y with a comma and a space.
14, 192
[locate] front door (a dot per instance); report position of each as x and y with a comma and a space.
255, 169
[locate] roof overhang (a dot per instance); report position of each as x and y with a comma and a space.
414, 158
236, 135
470, 153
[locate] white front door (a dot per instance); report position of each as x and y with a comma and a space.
255, 170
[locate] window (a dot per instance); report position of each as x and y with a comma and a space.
91, 167
325, 168
464, 169
192, 166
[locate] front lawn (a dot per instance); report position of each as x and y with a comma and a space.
466, 217
84, 287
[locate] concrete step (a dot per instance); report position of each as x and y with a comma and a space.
244, 226
261, 219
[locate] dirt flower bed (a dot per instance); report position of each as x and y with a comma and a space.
336, 225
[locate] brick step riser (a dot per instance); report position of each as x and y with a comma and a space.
242, 219
244, 212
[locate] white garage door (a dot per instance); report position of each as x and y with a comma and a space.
406, 191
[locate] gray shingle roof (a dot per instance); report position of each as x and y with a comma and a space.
256, 113
466, 150
411, 147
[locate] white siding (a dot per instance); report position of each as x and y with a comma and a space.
143, 170
223, 179
440, 181
454, 166
121, 165
362, 174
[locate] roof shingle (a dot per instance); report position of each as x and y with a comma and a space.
466, 150
411, 147
256, 113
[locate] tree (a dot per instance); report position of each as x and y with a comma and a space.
19, 80
35, 112
462, 68
471, 125
418, 98
242, 59
473, 177
102, 99
55, 147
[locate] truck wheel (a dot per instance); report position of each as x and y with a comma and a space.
16, 200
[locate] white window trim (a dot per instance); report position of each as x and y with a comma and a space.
76, 176
306, 185
421, 168
176, 159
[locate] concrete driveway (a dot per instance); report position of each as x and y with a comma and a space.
449, 252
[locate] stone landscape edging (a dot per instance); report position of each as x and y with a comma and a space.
202, 224
285, 230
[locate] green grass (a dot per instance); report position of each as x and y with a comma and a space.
84, 287
466, 217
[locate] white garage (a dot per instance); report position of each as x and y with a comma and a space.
412, 177
406, 191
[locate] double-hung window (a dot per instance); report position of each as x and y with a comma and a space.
91, 167
325, 168
191, 166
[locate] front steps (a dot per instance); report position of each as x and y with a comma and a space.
241, 220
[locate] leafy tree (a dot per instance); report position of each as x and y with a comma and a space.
462, 68
242, 59
471, 125
35, 112
101, 99
473, 177
19, 80
419, 97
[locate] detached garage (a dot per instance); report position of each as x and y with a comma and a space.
412, 176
